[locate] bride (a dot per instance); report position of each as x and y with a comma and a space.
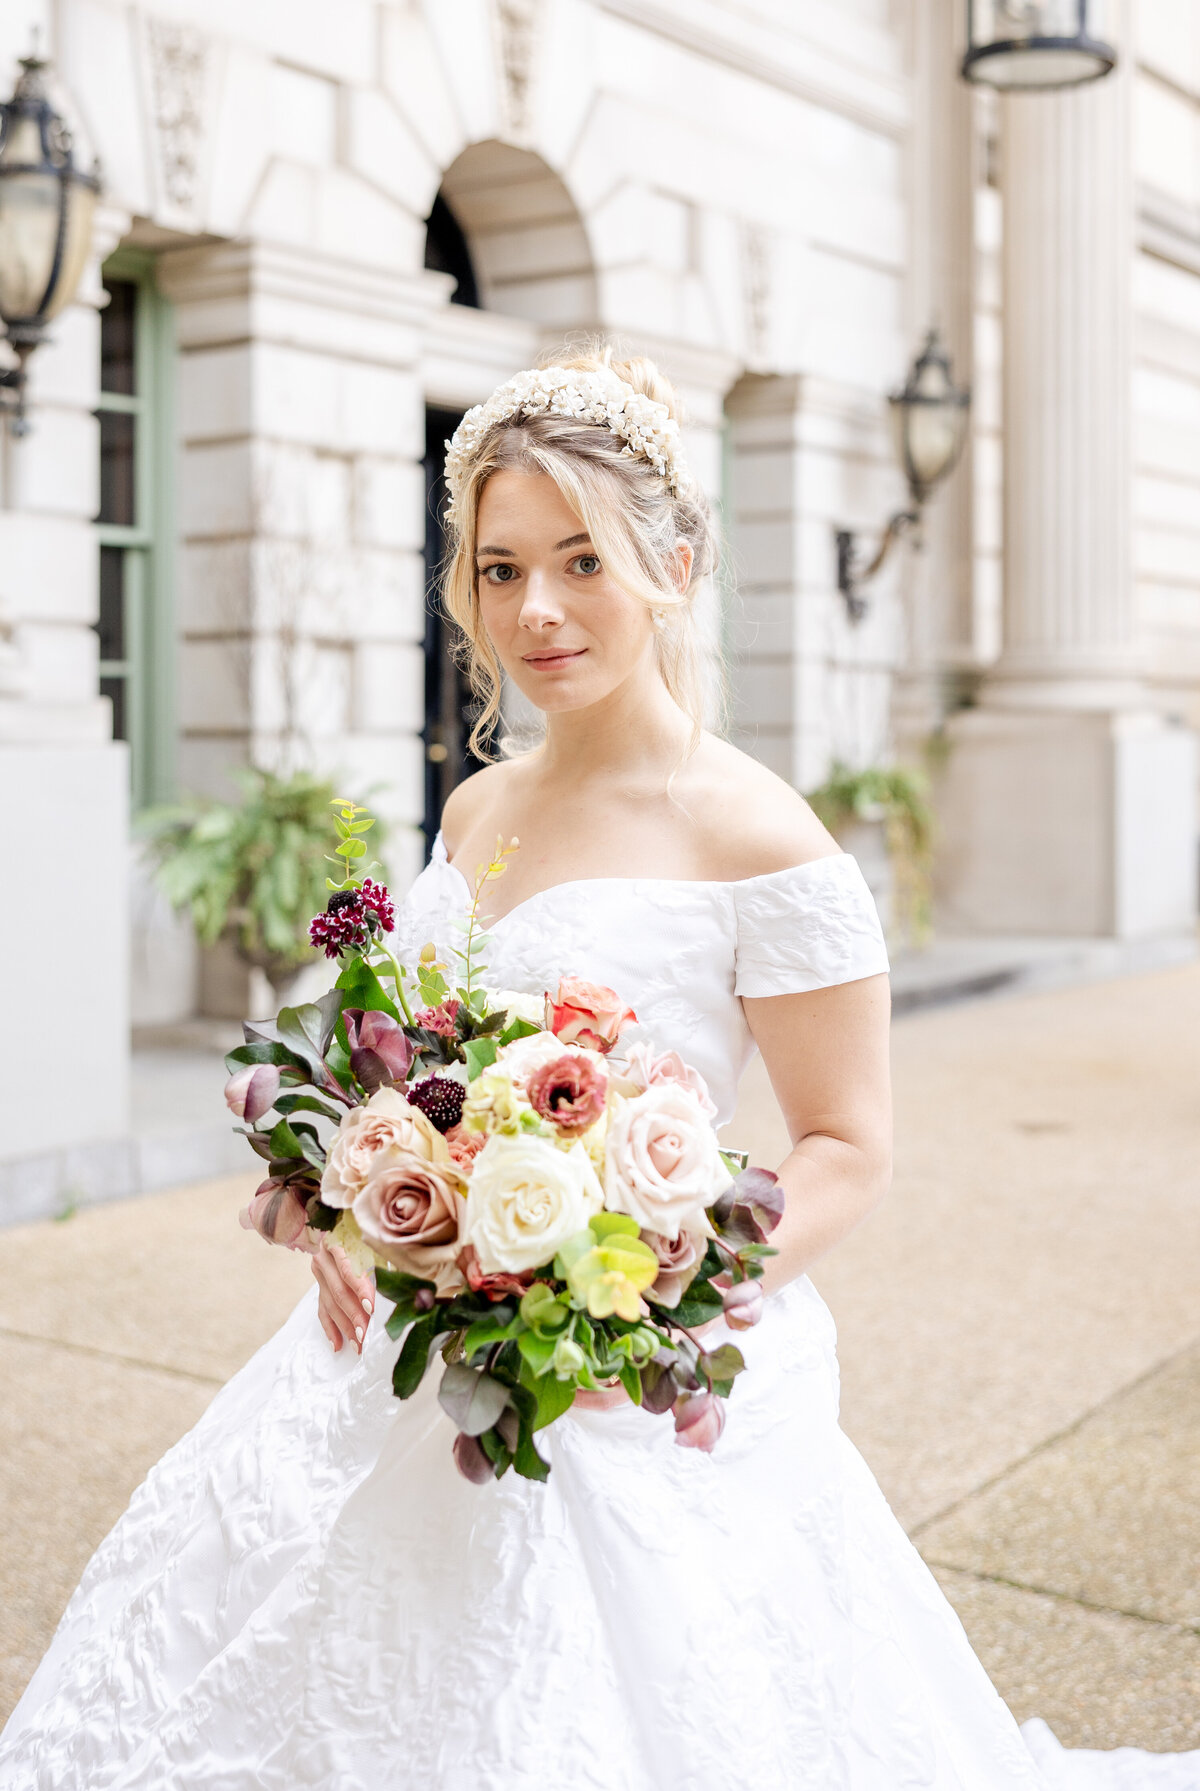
303, 1592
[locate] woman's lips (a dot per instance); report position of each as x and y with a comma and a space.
542, 662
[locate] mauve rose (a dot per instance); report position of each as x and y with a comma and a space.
278, 1214
583, 1013
386, 1120
569, 1092
680, 1258
251, 1092
408, 1210
699, 1420
743, 1305
662, 1164
643, 1069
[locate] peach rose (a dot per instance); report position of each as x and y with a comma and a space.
662, 1164
386, 1120
583, 1013
408, 1210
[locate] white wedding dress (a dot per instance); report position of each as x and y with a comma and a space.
304, 1592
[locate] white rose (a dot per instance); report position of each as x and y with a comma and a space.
531, 1008
525, 1198
385, 1120
519, 1060
662, 1164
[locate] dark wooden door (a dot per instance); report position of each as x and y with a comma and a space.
447, 693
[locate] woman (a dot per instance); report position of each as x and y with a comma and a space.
303, 1592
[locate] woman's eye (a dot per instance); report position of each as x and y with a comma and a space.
586, 563
500, 574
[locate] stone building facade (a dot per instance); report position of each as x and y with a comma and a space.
774, 201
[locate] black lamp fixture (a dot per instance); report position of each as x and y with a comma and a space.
929, 427
1015, 44
46, 206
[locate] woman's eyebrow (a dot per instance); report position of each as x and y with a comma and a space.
572, 541
507, 551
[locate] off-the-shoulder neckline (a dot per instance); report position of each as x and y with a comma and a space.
764, 877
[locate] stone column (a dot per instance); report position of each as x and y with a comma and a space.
939, 623
1068, 806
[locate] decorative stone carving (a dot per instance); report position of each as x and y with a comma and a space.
178, 57
518, 25
756, 264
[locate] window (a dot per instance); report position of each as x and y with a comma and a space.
134, 525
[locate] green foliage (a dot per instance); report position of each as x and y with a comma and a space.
899, 797
253, 871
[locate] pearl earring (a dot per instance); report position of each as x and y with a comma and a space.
658, 618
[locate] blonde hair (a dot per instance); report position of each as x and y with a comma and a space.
633, 519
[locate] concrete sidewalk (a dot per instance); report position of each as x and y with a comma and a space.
1019, 1336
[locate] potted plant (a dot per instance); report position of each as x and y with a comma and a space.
250, 872
889, 801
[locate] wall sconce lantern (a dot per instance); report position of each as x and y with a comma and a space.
46, 206
929, 427
1015, 44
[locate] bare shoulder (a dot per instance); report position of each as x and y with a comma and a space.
750, 821
476, 794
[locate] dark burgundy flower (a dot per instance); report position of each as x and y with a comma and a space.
440, 1099
380, 1050
343, 927
378, 901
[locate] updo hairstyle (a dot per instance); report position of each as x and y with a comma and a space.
632, 517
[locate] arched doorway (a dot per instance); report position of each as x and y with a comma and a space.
505, 228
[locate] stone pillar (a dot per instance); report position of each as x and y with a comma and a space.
1068, 805
64, 781
301, 579
939, 623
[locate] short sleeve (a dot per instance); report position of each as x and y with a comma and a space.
807, 927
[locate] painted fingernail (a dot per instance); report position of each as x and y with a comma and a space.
366, 1306
358, 1332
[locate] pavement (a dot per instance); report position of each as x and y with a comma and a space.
1019, 1338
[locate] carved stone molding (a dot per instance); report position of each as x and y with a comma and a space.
518, 24
179, 61
756, 287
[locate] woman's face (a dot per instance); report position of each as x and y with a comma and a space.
565, 633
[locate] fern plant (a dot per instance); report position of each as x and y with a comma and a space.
250, 872
897, 796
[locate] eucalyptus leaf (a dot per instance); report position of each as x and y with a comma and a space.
472, 1398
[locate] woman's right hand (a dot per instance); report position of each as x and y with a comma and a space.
346, 1300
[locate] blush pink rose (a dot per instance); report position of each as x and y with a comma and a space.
645, 1070
662, 1163
464, 1146
569, 1092
387, 1119
408, 1210
583, 1013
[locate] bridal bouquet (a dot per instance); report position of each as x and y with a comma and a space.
547, 1210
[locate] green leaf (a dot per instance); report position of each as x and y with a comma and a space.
351, 849
472, 1398
302, 1103
723, 1363
361, 987
301, 1028
517, 1029
285, 1142
537, 1351
554, 1397
527, 1461
700, 1303
478, 1054
413, 1359
631, 1380
395, 1285
486, 1331
605, 1224
261, 1051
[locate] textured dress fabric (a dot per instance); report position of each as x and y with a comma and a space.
303, 1592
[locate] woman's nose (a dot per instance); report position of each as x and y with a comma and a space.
540, 608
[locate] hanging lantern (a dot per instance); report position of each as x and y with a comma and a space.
46, 206
1015, 44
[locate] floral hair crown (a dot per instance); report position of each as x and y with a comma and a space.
593, 395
